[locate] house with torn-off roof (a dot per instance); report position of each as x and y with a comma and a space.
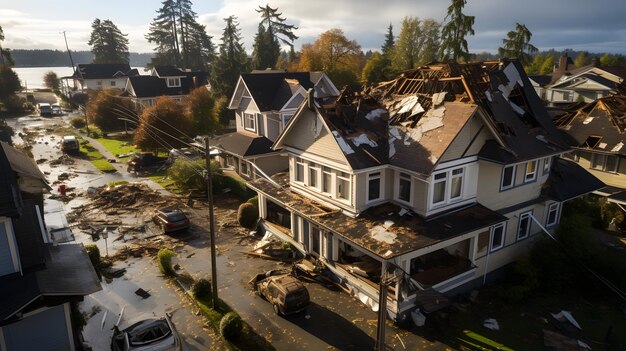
426, 185
40, 281
264, 102
99, 76
598, 129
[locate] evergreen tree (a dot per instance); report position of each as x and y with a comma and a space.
389, 44
547, 66
453, 43
164, 33
200, 52
232, 59
108, 43
272, 31
517, 44
582, 59
375, 69
417, 43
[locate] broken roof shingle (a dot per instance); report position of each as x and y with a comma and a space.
272, 89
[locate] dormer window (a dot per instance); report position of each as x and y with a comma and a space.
173, 82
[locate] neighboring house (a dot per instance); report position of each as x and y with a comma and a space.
569, 84
39, 281
98, 76
163, 81
430, 184
599, 131
264, 102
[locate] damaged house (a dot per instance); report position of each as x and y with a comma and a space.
39, 280
427, 185
264, 102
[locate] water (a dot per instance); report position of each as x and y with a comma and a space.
32, 77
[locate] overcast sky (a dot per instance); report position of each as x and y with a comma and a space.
595, 26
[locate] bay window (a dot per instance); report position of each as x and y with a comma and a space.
343, 186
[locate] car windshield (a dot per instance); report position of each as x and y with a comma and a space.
148, 332
175, 216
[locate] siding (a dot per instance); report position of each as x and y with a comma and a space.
43, 331
461, 147
489, 193
613, 179
272, 164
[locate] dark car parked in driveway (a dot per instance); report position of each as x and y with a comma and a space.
171, 220
144, 162
286, 294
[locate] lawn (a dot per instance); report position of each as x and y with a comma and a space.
167, 183
95, 157
118, 145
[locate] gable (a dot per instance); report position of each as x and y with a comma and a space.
468, 141
311, 135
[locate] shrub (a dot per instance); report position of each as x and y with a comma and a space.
190, 175
94, 254
77, 122
201, 288
248, 215
254, 201
165, 262
230, 326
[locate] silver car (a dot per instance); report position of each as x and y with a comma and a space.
148, 335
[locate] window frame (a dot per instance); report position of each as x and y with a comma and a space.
521, 217
173, 82
112, 83
299, 162
448, 178
492, 235
553, 207
249, 117
378, 175
403, 176
547, 163
340, 177
452, 176
243, 165
327, 171
593, 162
316, 169
533, 173
502, 177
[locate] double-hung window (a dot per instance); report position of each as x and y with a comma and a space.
523, 225
456, 183
601, 162
373, 186
300, 170
439, 188
343, 186
314, 175
553, 214
498, 232
249, 122
448, 186
531, 171
546, 165
173, 82
327, 180
404, 187
508, 177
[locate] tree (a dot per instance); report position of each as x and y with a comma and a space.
5, 54
375, 69
51, 81
547, 66
272, 31
200, 49
202, 111
417, 43
163, 125
389, 44
232, 59
582, 59
517, 44
453, 43
108, 43
110, 112
611, 60
535, 66
9, 81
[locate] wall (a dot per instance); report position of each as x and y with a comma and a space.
272, 164
120, 83
489, 178
612, 179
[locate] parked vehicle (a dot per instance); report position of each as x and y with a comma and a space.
148, 335
286, 294
69, 144
56, 109
171, 219
144, 162
44, 109
186, 153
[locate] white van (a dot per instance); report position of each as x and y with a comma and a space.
44, 109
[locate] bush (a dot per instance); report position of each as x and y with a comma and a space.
77, 122
94, 254
254, 201
230, 326
235, 186
165, 262
201, 288
189, 175
247, 215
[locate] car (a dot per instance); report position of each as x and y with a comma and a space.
171, 219
186, 153
148, 335
69, 144
286, 294
56, 109
44, 109
144, 162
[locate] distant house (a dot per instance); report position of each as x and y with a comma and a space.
98, 76
163, 81
39, 281
424, 186
264, 102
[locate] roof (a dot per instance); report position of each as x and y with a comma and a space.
568, 180
9, 201
381, 229
21, 164
168, 71
153, 86
27, 228
243, 144
68, 273
619, 71
272, 89
101, 70
572, 83
541, 79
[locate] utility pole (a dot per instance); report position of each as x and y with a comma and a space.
69, 52
385, 280
211, 221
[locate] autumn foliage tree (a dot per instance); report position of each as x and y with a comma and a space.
110, 112
163, 125
203, 110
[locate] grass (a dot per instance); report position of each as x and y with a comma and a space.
95, 157
167, 183
119, 145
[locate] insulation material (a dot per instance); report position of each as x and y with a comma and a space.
342, 143
514, 78
381, 233
363, 139
374, 114
438, 98
408, 103
617, 147
431, 123
491, 323
417, 109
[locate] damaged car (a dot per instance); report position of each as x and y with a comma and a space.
148, 335
286, 294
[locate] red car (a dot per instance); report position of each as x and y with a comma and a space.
171, 220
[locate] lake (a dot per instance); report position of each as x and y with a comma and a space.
32, 77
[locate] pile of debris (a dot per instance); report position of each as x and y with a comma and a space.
64, 159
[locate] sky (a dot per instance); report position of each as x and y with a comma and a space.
595, 26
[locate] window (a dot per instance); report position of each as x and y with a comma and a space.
456, 183
404, 187
327, 179
245, 169
343, 186
314, 171
439, 188
523, 226
553, 213
508, 177
498, 232
173, 82
299, 170
278, 215
448, 186
248, 122
286, 118
315, 240
373, 186
99, 83
606, 163
531, 171
112, 83
546, 165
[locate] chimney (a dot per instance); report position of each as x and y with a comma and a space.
311, 99
563, 62
595, 62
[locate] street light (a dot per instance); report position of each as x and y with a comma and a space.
211, 221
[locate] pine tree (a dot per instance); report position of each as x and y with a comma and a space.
5, 54
163, 32
453, 43
232, 59
389, 44
108, 43
272, 31
517, 44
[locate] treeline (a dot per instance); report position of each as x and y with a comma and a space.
57, 58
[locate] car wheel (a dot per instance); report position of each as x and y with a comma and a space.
276, 309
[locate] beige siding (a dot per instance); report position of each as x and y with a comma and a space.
272, 129
273, 164
462, 140
420, 196
489, 193
303, 136
612, 179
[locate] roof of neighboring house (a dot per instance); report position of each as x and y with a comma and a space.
27, 228
588, 76
153, 86
619, 71
541, 79
243, 144
101, 70
168, 71
381, 229
68, 273
272, 89
568, 180
23, 165
9, 202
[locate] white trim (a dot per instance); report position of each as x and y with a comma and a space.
502, 186
397, 188
556, 214
232, 98
455, 163
533, 173
547, 163
492, 232
527, 215
44, 233
245, 120
447, 180
10, 234
68, 324
301, 91
319, 159
381, 186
